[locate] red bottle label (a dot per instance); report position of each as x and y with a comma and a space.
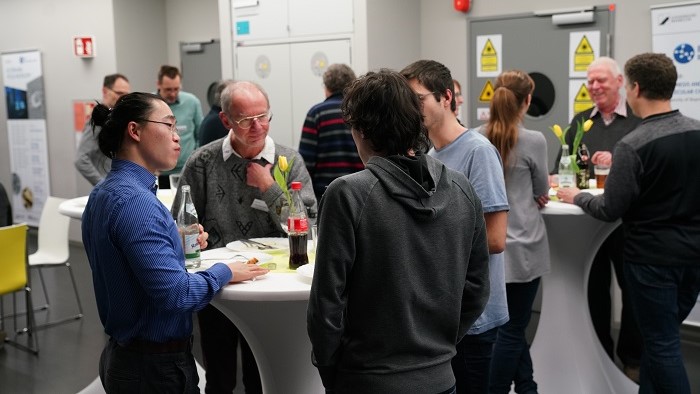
298, 225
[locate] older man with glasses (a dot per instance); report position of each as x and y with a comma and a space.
89, 161
236, 197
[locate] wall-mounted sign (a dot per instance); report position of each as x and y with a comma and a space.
84, 46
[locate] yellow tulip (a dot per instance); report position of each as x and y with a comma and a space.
587, 125
282, 163
557, 130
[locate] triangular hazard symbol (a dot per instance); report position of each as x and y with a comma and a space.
488, 50
582, 94
486, 92
584, 47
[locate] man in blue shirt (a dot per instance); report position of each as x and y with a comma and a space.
470, 153
145, 297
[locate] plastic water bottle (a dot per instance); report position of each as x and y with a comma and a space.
188, 226
566, 171
298, 229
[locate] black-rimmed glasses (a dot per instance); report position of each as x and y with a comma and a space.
171, 126
247, 122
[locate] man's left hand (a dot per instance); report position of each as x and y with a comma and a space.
259, 176
202, 238
567, 194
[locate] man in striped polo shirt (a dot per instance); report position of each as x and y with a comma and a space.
326, 143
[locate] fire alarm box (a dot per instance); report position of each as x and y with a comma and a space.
84, 46
462, 5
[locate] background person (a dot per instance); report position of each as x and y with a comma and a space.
188, 112
459, 99
651, 187
381, 317
145, 297
211, 127
89, 161
524, 154
236, 197
473, 155
326, 142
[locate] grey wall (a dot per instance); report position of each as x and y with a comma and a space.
140, 34
393, 33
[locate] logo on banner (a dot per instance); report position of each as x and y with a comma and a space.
684, 53
486, 92
583, 56
583, 100
489, 57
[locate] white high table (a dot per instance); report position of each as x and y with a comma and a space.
566, 354
271, 314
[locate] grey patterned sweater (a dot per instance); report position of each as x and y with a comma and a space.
223, 200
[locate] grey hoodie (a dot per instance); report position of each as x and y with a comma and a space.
402, 270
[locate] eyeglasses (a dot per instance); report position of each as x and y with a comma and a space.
421, 97
171, 126
247, 122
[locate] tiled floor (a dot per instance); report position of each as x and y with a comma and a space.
69, 353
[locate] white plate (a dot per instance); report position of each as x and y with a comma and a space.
227, 256
306, 271
278, 244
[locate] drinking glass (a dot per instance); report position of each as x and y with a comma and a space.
601, 174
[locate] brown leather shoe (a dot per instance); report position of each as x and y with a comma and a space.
632, 372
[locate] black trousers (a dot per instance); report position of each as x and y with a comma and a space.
219, 339
126, 371
629, 343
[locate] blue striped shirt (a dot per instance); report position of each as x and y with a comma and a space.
138, 269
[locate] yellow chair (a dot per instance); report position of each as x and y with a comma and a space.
14, 278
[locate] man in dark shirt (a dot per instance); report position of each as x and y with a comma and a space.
211, 127
652, 186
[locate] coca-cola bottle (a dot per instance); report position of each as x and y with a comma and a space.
298, 229
188, 226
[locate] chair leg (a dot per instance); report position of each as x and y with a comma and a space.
43, 287
77, 299
31, 325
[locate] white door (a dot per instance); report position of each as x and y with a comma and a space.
292, 76
268, 65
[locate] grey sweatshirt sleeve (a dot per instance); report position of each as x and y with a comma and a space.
621, 187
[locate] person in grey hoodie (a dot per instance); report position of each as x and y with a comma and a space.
402, 255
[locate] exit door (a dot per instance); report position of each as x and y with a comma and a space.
537, 46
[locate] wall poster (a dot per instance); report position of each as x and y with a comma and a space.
26, 130
675, 32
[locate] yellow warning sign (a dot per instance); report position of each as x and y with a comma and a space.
583, 56
582, 100
489, 58
486, 92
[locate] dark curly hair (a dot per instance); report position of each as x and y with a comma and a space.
383, 107
654, 73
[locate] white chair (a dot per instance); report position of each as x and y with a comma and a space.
53, 251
